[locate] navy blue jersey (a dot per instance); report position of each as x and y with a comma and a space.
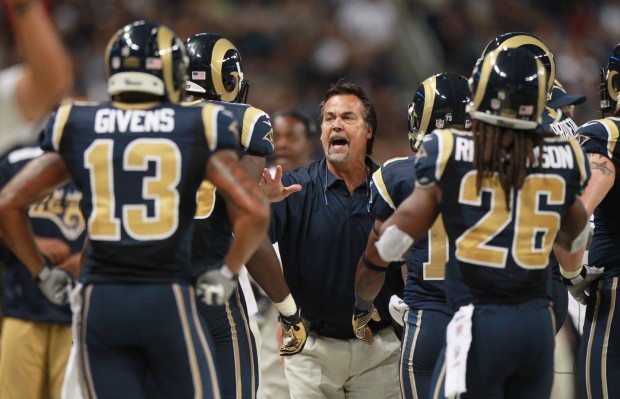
601, 137
55, 216
499, 255
322, 232
213, 232
139, 171
392, 184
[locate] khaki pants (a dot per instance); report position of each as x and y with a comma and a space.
34, 358
345, 368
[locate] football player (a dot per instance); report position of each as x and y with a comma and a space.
36, 370
505, 198
553, 121
216, 77
598, 368
138, 161
438, 102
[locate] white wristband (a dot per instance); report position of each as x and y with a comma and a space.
287, 307
44, 273
393, 244
226, 272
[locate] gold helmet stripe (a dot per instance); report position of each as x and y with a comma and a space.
485, 70
542, 90
430, 87
221, 47
521, 40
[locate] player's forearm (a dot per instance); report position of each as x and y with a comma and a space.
567, 260
265, 269
368, 283
371, 269
19, 239
49, 66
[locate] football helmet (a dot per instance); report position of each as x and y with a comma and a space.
439, 102
146, 57
215, 69
509, 89
530, 42
610, 83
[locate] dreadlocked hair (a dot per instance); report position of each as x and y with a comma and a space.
506, 153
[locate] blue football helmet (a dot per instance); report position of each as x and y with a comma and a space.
146, 57
215, 69
509, 89
531, 43
439, 102
610, 83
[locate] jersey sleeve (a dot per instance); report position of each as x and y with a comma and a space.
426, 160
391, 184
599, 137
256, 133
381, 204
433, 157
55, 128
220, 128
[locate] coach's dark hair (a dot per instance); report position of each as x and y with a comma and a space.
506, 152
370, 114
309, 125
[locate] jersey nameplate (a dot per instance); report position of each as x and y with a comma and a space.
134, 120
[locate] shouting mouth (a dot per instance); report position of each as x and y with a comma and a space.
338, 143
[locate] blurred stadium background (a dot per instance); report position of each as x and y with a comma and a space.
293, 50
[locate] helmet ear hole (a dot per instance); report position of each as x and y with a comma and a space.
230, 83
615, 83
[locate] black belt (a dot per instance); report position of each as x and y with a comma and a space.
330, 331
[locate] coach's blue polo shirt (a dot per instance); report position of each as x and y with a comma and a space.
322, 231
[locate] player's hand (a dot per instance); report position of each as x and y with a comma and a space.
214, 287
579, 286
361, 318
272, 187
294, 333
55, 284
53, 249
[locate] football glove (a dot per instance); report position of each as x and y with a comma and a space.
360, 321
294, 333
55, 284
214, 287
579, 286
